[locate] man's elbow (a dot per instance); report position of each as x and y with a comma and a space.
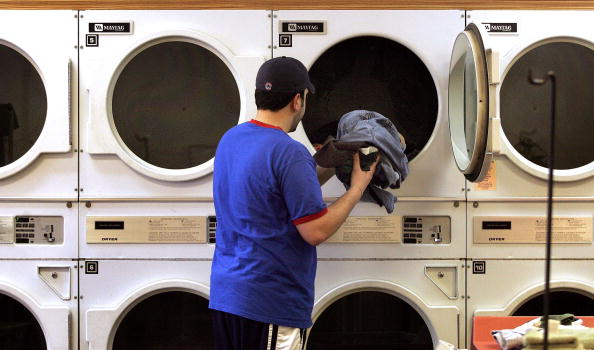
314, 237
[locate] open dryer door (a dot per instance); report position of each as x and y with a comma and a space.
474, 74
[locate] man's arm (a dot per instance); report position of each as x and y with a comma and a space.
317, 231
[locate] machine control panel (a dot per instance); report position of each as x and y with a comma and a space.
426, 230
32, 230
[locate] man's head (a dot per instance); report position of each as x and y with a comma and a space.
283, 82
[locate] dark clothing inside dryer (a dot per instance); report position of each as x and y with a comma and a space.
8, 123
359, 129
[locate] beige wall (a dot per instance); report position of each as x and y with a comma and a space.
297, 4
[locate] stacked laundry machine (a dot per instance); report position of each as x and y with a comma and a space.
386, 280
499, 125
157, 90
109, 121
38, 180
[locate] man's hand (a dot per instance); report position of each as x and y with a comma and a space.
361, 178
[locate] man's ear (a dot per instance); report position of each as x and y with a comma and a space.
296, 102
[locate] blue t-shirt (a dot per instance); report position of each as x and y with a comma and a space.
264, 184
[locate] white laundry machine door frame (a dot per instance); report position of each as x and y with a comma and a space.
513, 176
109, 170
49, 169
431, 43
441, 305
131, 282
50, 299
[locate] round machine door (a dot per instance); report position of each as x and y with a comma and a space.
468, 104
34, 118
19, 329
376, 74
168, 103
168, 320
579, 303
522, 103
370, 320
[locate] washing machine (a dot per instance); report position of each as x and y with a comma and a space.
145, 304
395, 63
158, 90
499, 128
388, 304
493, 291
39, 305
38, 158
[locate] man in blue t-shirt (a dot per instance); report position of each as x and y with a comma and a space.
270, 218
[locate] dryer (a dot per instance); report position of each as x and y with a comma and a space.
158, 90
150, 304
388, 304
39, 305
493, 291
38, 138
499, 128
395, 63
38, 158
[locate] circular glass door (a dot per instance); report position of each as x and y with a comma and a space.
23, 105
526, 108
369, 321
19, 330
169, 320
172, 103
468, 102
376, 74
561, 302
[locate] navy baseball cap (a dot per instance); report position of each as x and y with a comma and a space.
283, 74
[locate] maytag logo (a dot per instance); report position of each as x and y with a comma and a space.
303, 27
111, 28
109, 239
496, 239
501, 27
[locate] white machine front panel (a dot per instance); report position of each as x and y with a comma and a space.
403, 39
404, 279
493, 291
145, 167
416, 229
125, 280
37, 105
147, 230
522, 230
520, 170
38, 230
57, 315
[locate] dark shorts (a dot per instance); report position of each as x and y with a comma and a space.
232, 332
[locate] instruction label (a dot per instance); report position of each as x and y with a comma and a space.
6, 229
532, 229
369, 229
489, 183
146, 229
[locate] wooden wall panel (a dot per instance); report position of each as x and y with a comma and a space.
299, 4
